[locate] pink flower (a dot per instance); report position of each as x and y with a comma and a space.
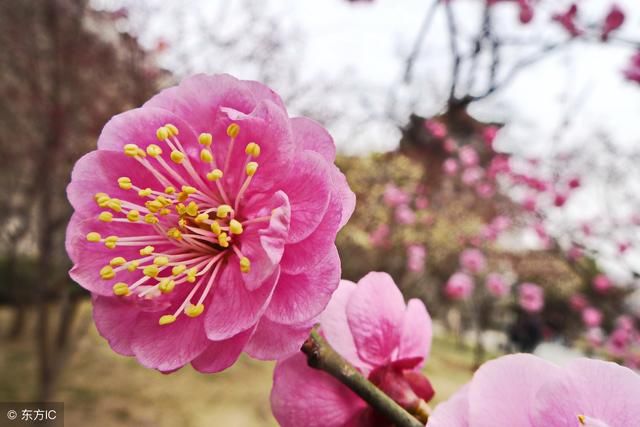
619, 341
489, 135
435, 128
404, 215
531, 297
450, 145
613, 21
632, 72
526, 391
450, 166
380, 236
473, 261
526, 11
386, 340
459, 286
591, 317
559, 199
602, 283
574, 183
193, 253
468, 156
497, 285
578, 302
568, 20
416, 257
485, 190
394, 196
472, 175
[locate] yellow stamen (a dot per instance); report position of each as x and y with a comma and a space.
154, 205
167, 319
252, 149
103, 200
191, 275
178, 269
214, 175
151, 270
194, 310
201, 218
133, 215
166, 286
233, 130
133, 266
206, 156
111, 242
105, 216
173, 131
173, 232
161, 260
251, 168
147, 250
192, 209
177, 156
181, 209
100, 195
131, 150
245, 264
107, 272
121, 289
145, 192
170, 190
115, 205
117, 261
189, 189
124, 182
223, 240
93, 237
151, 219
154, 150
165, 211
162, 133
205, 139
215, 228
235, 227
223, 211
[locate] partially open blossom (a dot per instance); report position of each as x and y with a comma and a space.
574, 183
388, 341
435, 128
205, 225
497, 285
602, 283
468, 156
591, 317
473, 261
459, 286
613, 21
531, 297
527, 391
394, 196
568, 20
416, 257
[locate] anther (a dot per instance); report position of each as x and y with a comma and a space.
167, 319
166, 285
201, 218
223, 240
206, 156
121, 289
151, 219
105, 216
115, 204
93, 237
151, 271
194, 310
233, 130
103, 200
154, 150
111, 242
107, 272
147, 250
133, 266
245, 264
117, 261
174, 233
215, 228
170, 190
251, 168
214, 175
205, 139
133, 215
124, 182
177, 156
161, 260
131, 150
189, 189
162, 133
252, 149
178, 269
192, 209
146, 192
173, 131
235, 227
223, 210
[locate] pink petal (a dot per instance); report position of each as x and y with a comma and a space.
503, 390
219, 355
308, 191
335, 327
600, 390
273, 340
167, 347
305, 254
454, 412
232, 308
310, 135
375, 313
344, 193
115, 322
261, 92
299, 297
302, 396
415, 340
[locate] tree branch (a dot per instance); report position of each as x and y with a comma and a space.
320, 355
455, 52
419, 39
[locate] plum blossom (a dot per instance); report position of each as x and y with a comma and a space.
468, 156
472, 175
405, 215
602, 283
568, 20
526, 391
205, 225
591, 317
394, 196
459, 286
450, 166
416, 257
422, 203
489, 135
435, 128
450, 145
497, 285
473, 261
531, 297
388, 341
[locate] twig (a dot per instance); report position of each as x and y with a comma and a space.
320, 355
419, 39
455, 53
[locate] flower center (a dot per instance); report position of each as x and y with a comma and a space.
193, 219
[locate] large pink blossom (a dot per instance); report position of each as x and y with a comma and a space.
387, 340
531, 297
459, 286
205, 225
526, 391
473, 261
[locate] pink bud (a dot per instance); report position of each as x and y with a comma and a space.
613, 21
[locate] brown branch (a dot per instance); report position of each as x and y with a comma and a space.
455, 52
419, 40
320, 355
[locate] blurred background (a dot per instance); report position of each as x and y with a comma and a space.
493, 146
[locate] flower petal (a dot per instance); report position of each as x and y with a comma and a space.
375, 314
302, 396
454, 412
219, 355
310, 135
415, 340
115, 322
273, 340
299, 297
344, 193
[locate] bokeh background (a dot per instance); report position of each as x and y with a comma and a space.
492, 145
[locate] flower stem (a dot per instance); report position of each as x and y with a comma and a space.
320, 355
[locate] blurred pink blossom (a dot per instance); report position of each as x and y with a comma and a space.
473, 261
422, 203
472, 175
485, 190
450, 166
394, 196
632, 72
379, 237
416, 257
468, 156
404, 215
531, 297
435, 128
489, 135
450, 145
591, 317
459, 286
497, 285
602, 283
578, 302
594, 337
